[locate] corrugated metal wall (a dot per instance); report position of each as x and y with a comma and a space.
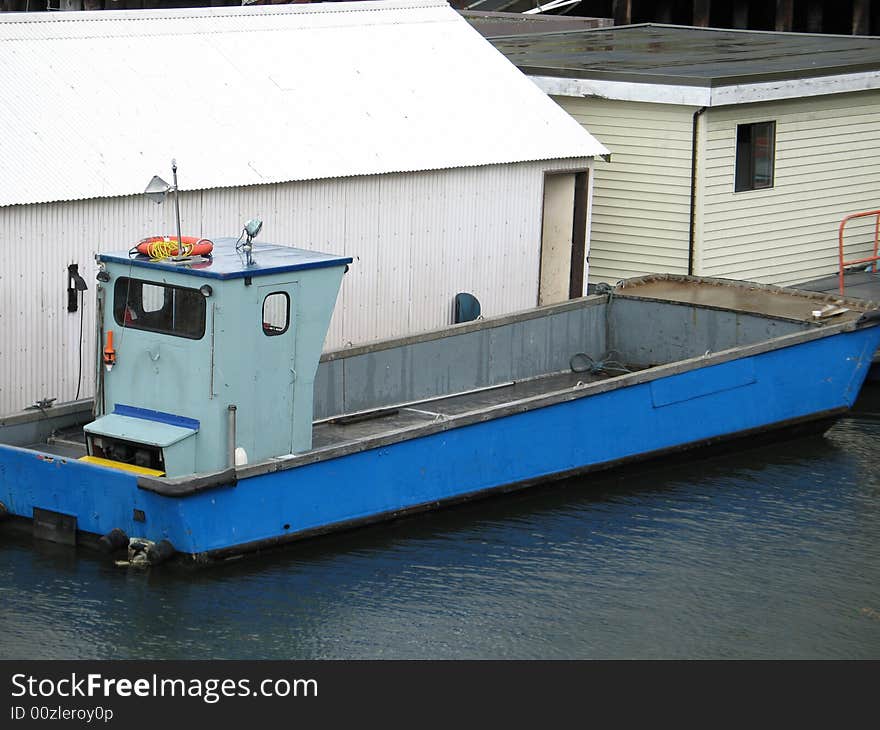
417, 240
827, 158
641, 199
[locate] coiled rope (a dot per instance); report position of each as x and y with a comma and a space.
607, 363
166, 248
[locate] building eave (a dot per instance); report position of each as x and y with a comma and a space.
708, 96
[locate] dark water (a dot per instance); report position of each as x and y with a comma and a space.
769, 552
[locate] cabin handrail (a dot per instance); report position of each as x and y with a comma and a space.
843, 264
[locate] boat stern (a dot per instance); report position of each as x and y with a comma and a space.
71, 500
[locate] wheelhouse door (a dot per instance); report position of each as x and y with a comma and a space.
274, 372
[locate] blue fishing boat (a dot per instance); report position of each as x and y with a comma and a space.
218, 426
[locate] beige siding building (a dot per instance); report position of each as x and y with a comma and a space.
641, 204
734, 154
826, 166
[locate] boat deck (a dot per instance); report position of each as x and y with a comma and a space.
339, 430
751, 298
68, 443
860, 285
857, 285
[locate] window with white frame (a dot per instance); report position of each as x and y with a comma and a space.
755, 156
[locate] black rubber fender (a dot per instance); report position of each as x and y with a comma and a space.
114, 540
872, 316
160, 552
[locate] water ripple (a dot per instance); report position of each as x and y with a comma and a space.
770, 552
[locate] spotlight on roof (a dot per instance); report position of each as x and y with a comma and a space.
253, 228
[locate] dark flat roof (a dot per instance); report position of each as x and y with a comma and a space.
228, 263
669, 54
507, 6
491, 24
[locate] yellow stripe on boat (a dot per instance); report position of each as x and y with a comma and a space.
144, 471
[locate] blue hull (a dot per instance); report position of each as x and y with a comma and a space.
811, 380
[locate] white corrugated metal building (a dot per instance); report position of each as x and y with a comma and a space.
735, 153
348, 127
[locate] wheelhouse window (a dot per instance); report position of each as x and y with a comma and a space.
155, 307
276, 314
755, 155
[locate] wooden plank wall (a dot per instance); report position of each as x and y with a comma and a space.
812, 16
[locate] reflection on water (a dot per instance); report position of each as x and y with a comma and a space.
771, 552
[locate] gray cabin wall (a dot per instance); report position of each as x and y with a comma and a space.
649, 332
456, 359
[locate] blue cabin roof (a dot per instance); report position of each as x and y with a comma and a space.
228, 263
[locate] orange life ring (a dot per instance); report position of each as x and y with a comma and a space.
160, 247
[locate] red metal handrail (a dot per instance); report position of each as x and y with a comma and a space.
875, 257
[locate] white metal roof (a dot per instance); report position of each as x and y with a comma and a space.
93, 104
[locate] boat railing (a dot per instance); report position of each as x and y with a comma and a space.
852, 262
